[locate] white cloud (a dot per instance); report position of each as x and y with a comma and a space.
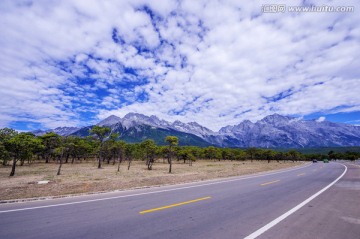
321, 119
216, 62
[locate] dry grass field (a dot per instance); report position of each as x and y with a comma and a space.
85, 177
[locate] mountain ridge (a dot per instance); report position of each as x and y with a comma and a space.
273, 131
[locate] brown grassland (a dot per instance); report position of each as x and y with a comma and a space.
85, 177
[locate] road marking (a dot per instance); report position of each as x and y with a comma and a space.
291, 211
301, 174
154, 192
269, 182
174, 205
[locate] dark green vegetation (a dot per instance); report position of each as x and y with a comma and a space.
105, 147
325, 150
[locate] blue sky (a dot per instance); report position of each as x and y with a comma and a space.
73, 63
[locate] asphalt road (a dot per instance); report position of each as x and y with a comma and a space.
227, 208
334, 214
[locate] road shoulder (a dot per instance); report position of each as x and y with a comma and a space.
334, 214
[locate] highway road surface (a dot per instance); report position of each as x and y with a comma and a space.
312, 201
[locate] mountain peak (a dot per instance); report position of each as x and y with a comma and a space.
177, 122
275, 119
195, 124
247, 122
112, 119
154, 117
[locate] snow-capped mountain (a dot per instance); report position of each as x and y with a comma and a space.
287, 132
63, 131
192, 128
133, 119
111, 120
136, 119
273, 131
244, 126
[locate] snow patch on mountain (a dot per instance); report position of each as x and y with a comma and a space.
63, 131
111, 120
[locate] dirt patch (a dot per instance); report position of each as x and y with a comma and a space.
85, 177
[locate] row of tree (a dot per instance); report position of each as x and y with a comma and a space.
105, 147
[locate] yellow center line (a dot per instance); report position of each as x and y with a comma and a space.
269, 182
174, 205
301, 174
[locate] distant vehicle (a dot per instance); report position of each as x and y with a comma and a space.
326, 161
314, 161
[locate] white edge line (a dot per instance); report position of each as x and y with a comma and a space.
291, 211
145, 193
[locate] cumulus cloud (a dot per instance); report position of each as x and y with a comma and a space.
217, 62
321, 119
